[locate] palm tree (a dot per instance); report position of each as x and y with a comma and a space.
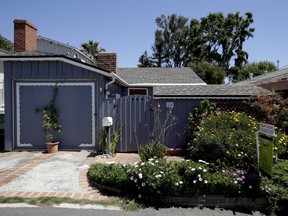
91, 49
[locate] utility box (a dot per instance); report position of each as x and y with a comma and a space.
107, 121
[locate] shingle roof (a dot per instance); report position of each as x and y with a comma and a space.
207, 91
267, 78
159, 75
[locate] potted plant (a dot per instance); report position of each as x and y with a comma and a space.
50, 123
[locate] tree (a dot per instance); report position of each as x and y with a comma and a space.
5, 44
255, 69
170, 46
145, 60
91, 49
209, 73
215, 39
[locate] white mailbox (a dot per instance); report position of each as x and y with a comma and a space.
107, 121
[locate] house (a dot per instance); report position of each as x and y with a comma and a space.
276, 81
88, 93
52, 46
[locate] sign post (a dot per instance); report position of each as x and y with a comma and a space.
264, 140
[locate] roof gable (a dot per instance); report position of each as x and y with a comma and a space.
267, 78
159, 76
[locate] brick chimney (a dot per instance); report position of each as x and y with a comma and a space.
25, 36
107, 61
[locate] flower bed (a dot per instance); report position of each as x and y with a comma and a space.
184, 183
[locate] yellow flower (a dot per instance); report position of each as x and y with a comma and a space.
237, 145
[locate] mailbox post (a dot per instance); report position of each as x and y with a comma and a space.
107, 122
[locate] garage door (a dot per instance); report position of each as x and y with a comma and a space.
76, 105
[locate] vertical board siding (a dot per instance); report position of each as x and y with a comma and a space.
133, 114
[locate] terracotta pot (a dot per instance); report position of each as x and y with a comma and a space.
52, 147
175, 152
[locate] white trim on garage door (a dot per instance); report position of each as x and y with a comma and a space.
18, 117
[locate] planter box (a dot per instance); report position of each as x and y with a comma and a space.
175, 152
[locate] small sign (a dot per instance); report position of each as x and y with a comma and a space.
266, 154
267, 129
170, 105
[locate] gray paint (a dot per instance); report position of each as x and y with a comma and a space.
46, 71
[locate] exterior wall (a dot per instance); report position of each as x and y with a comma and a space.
178, 137
39, 72
276, 86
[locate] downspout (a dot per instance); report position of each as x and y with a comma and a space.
107, 85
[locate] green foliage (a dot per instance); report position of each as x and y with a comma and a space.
209, 73
115, 136
152, 150
115, 139
273, 107
102, 142
50, 118
205, 109
113, 175
256, 69
91, 49
5, 44
216, 39
157, 177
227, 139
275, 189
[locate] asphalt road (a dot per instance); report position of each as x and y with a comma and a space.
49, 211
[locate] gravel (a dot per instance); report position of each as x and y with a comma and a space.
58, 174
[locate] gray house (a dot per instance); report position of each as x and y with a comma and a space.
87, 94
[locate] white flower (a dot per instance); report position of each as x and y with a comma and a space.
195, 181
223, 171
176, 183
156, 161
205, 181
204, 170
142, 163
135, 180
155, 157
143, 184
199, 175
200, 179
200, 168
250, 186
193, 169
124, 165
235, 182
180, 182
131, 178
158, 176
200, 161
110, 162
136, 166
139, 196
161, 172
150, 159
135, 163
140, 175
239, 192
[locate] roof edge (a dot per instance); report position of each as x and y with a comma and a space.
62, 58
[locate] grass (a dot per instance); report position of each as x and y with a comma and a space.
125, 204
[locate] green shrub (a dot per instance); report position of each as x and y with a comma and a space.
227, 139
112, 175
155, 177
152, 150
275, 188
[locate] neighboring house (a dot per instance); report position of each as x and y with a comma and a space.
87, 94
275, 81
51, 46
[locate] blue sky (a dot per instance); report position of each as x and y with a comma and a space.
127, 26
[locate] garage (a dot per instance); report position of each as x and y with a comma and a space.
76, 105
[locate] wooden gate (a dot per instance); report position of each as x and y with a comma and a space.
133, 113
